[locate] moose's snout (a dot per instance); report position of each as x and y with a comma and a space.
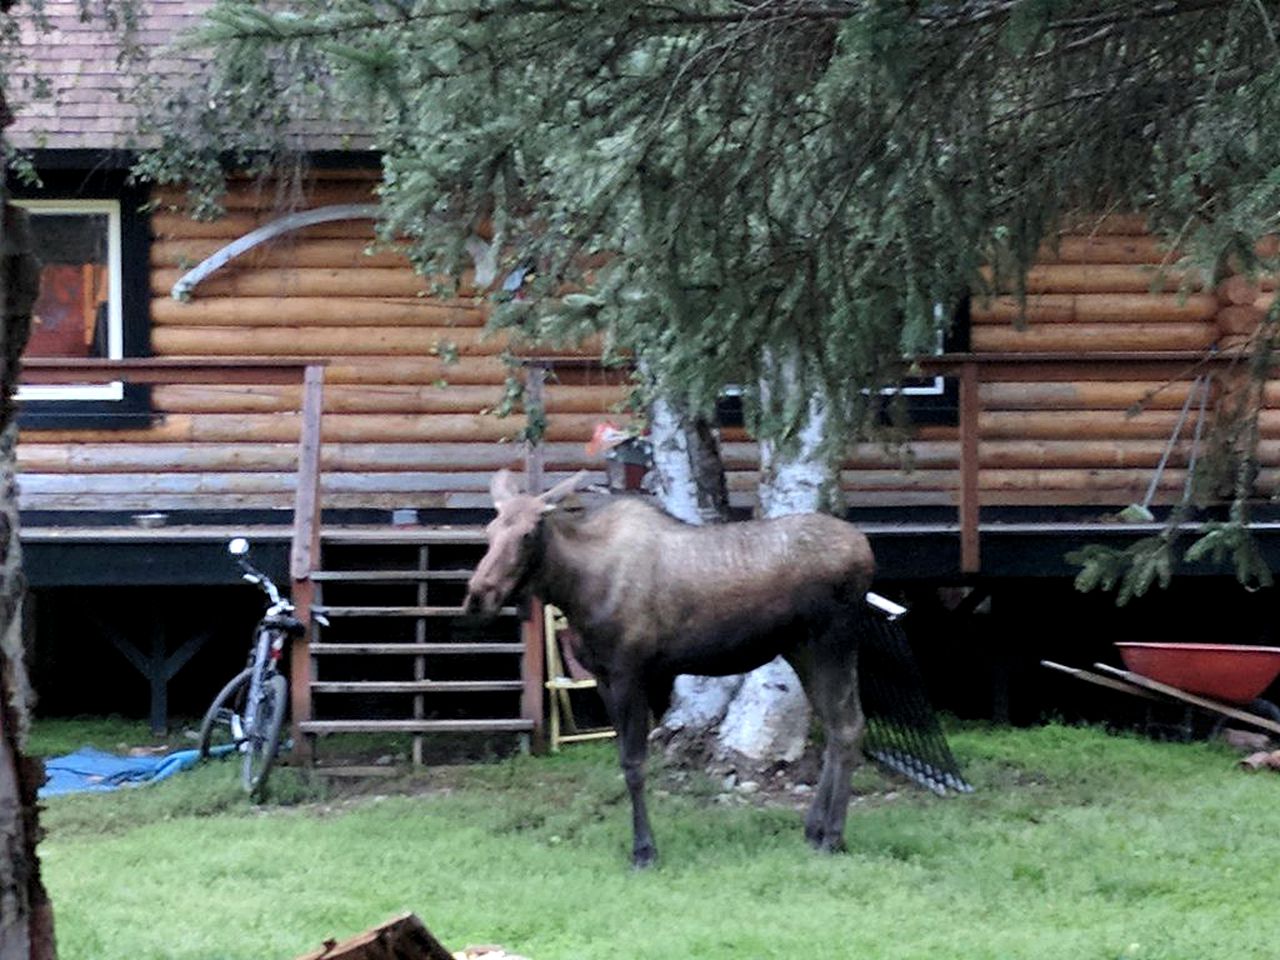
482, 599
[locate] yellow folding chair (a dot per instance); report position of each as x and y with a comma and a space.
564, 675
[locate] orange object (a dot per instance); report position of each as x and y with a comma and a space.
1236, 674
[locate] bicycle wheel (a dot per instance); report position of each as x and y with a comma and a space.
223, 723
263, 741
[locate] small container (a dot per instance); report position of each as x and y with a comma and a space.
150, 521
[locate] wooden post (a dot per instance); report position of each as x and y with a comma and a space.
534, 399
532, 670
305, 553
970, 557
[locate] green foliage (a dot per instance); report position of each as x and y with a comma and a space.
811, 177
1132, 570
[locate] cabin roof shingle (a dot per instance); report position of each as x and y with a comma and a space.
89, 106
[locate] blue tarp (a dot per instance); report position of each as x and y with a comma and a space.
89, 770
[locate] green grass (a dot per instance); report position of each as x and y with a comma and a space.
1077, 845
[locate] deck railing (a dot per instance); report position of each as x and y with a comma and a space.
250, 371
975, 369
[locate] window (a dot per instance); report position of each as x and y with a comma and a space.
926, 400
92, 241
79, 312
933, 400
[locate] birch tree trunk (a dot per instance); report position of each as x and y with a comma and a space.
760, 718
768, 719
689, 481
26, 917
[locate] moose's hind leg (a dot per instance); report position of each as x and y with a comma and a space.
830, 677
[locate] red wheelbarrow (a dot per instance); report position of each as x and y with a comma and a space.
1223, 678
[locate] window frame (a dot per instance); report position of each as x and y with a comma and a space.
59, 393
95, 407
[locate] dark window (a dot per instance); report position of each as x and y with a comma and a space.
926, 400
92, 239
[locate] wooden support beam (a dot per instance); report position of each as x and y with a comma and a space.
304, 556
970, 558
157, 665
532, 670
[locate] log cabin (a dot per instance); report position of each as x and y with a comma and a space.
316, 394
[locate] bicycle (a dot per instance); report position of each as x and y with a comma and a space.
247, 715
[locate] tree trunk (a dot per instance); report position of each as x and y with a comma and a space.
26, 917
768, 720
690, 483
762, 718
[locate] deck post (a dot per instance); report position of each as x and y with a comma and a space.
305, 553
970, 555
532, 670
532, 663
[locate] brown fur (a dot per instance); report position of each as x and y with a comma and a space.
651, 597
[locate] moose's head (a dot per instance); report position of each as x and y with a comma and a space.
513, 540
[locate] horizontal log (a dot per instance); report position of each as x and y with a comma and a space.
1083, 395
1047, 425
1135, 481
317, 312
1084, 337
356, 281
1075, 248
106, 457
283, 252
404, 486
1106, 498
176, 225
378, 398
269, 195
324, 341
399, 482
377, 369
1106, 223
1103, 278
1097, 308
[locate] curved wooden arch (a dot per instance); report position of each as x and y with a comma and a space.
183, 287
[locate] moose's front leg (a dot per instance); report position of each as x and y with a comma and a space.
630, 709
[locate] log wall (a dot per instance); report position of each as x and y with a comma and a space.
404, 427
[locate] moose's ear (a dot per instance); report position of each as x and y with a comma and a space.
563, 489
503, 487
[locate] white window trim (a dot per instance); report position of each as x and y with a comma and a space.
115, 300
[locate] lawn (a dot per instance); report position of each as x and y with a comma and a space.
1076, 845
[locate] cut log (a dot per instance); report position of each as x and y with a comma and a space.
403, 938
1239, 290
1239, 320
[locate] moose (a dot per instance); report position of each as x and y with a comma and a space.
651, 597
